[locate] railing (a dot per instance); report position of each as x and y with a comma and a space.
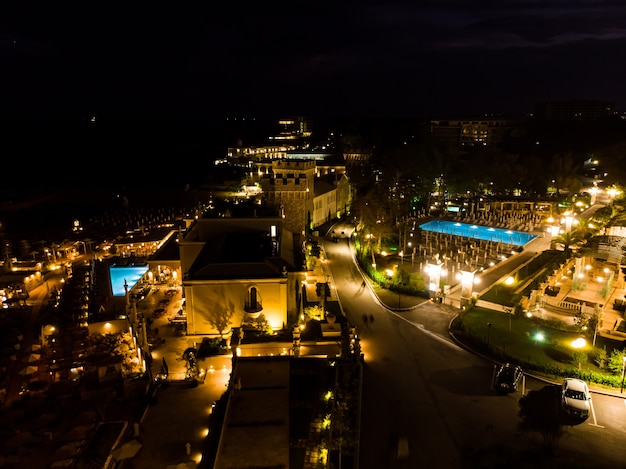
568, 307
253, 307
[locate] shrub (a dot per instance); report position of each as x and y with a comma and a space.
211, 346
616, 361
601, 358
578, 358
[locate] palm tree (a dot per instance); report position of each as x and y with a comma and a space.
586, 229
571, 239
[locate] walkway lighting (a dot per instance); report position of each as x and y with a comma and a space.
612, 192
467, 285
568, 219
434, 272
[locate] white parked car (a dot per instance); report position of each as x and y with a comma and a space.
575, 398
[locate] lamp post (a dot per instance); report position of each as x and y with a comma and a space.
623, 372
399, 286
594, 193
467, 286
434, 272
509, 313
569, 219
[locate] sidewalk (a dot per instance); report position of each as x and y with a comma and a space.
187, 425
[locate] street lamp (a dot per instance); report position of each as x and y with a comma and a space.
623, 372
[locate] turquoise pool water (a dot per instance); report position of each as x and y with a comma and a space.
129, 274
486, 233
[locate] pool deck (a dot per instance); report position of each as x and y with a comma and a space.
610, 318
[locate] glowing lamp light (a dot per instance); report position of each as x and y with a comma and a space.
434, 272
580, 342
509, 280
539, 337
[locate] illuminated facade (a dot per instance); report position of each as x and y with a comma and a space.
238, 268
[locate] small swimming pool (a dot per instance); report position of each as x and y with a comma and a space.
129, 275
485, 233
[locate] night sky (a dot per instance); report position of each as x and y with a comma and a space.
319, 59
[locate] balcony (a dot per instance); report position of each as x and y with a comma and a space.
252, 307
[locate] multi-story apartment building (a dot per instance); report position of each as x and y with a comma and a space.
573, 110
471, 132
293, 129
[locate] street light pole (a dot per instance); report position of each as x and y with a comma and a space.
509, 312
623, 372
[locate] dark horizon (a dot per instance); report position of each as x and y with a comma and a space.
374, 59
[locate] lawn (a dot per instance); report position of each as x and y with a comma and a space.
535, 345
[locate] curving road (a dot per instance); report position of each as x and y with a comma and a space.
424, 390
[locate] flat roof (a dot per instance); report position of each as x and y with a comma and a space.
256, 425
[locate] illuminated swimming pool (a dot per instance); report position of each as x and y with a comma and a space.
485, 233
128, 274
